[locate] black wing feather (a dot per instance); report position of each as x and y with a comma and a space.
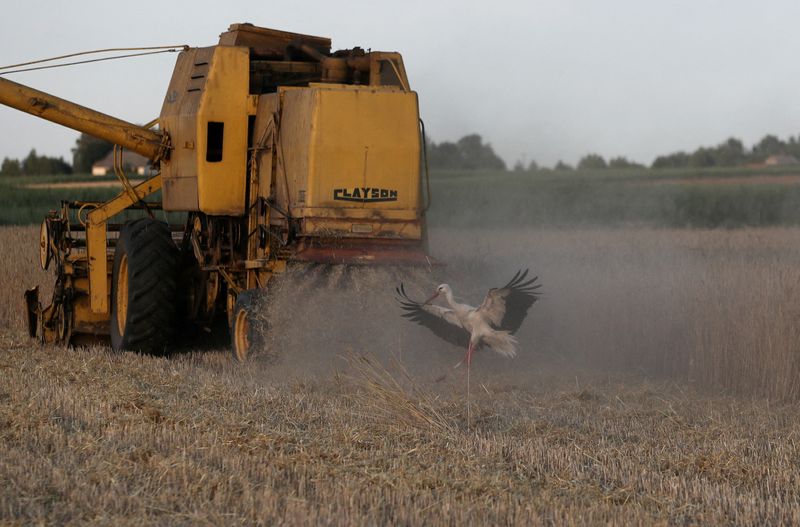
416, 312
523, 294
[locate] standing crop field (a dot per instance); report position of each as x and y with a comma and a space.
686, 198
655, 385
711, 198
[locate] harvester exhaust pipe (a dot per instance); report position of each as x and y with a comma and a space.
148, 143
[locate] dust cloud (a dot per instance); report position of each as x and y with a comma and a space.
315, 317
697, 305
610, 300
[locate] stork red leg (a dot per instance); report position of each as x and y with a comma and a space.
467, 357
470, 350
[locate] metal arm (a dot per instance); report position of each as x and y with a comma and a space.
146, 142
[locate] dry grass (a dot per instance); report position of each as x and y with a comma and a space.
93, 437
19, 270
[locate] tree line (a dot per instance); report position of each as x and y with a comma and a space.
470, 152
34, 165
730, 153
87, 151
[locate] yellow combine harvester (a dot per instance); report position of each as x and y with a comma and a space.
276, 148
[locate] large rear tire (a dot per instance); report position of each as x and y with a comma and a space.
144, 287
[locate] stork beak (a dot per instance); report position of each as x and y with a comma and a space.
428, 301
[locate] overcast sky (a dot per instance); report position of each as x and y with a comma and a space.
538, 79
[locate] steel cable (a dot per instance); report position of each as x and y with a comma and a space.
151, 50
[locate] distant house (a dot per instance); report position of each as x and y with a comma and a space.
781, 161
132, 163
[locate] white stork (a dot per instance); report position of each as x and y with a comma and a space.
493, 324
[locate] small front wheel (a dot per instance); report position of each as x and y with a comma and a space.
245, 335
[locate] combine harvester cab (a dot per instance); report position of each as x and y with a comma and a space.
275, 149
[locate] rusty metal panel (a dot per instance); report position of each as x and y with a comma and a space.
373, 227
350, 157
182, 192
225, 102
264, 136
85, 320
387, 69
267, 41
294, 143
363, 252
365, 149
206, 114
178, 119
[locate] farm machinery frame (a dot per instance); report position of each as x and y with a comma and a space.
274, 149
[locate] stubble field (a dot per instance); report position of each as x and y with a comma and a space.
656, 384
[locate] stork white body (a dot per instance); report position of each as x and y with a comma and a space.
491, 325
477, 322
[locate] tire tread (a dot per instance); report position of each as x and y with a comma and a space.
152, 287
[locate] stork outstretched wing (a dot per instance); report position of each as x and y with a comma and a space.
507, 306
441, 320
